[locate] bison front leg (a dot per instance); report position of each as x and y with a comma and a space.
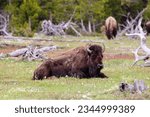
95, 72
78, 74
102, 75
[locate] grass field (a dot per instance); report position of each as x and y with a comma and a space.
16, 83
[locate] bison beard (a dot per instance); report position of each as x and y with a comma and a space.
81, 62
111, 27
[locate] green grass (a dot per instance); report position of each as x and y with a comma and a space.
16, 83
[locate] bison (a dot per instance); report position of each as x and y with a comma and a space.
147, 26
81, 62
111, 27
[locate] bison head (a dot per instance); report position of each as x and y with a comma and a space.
95, 53
43, 71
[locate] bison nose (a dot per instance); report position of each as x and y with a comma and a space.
100, 65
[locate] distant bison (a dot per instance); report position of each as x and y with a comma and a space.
81, 62
147, 26
111, 27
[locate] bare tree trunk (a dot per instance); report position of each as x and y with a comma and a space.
83, 27
89, 26
75, 30
3, 25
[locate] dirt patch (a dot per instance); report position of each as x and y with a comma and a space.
56, 53
8, 49
109, 56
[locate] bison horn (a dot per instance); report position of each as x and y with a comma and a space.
89, 50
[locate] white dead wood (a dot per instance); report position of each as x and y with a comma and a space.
138, 86
145, 56
33, 53
18, 52
49, 28
89, 26
60, 29
48, 48
83, 27
4, 25
30, 53
131, 24
78, 34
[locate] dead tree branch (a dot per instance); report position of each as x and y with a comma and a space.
4, 25
49, 28
30, 53
140, 33
131, 24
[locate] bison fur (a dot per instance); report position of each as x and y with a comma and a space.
111, 27
147, 26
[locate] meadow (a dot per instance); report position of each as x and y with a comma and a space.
16, 75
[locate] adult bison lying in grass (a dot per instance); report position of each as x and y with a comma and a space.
81, 62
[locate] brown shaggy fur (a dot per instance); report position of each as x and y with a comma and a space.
147, 26
81, 62
111, 27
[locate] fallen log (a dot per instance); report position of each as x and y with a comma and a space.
30, 53
18, 52
138, 86
46, 49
